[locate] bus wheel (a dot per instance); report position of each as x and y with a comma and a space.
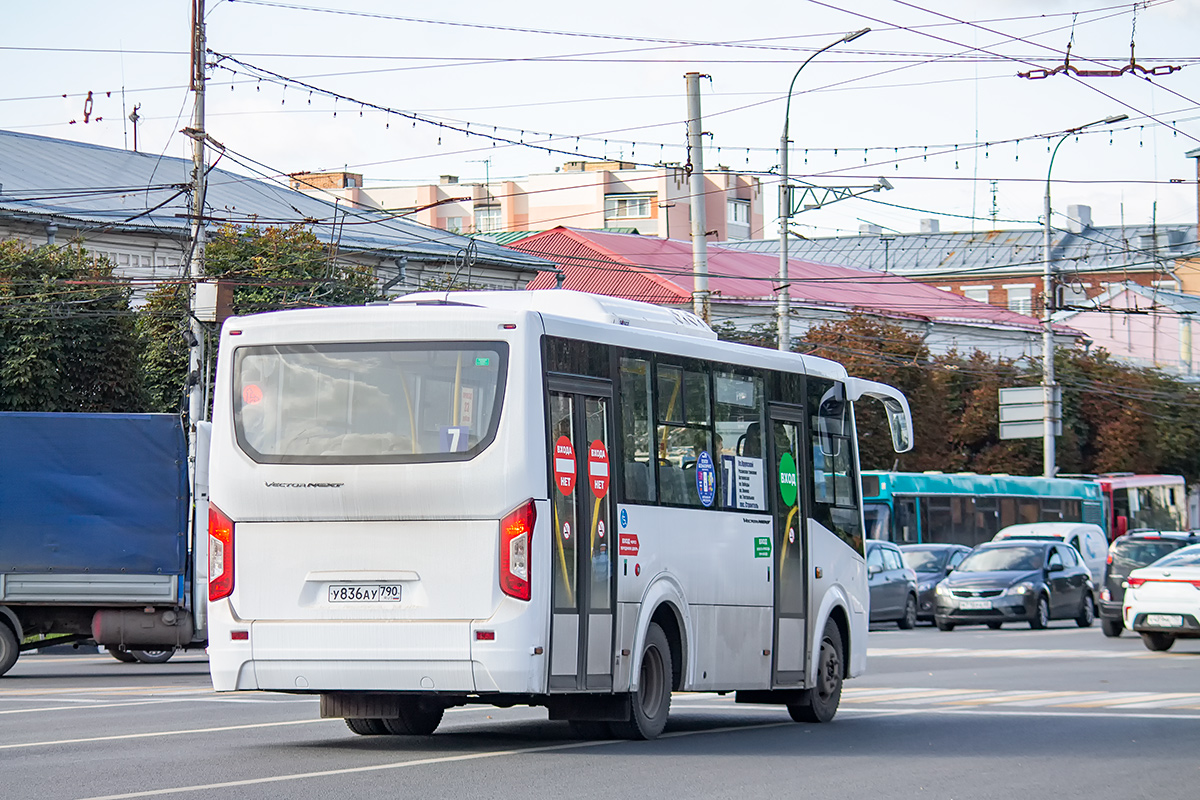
124, 656
366, 727
418, 717
821, 701
650, 704
10, 648
152, 656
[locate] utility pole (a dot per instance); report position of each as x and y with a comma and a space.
1051, 409
783, 305
196, 372
699, 234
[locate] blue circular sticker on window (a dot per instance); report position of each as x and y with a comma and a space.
706, 478
624, 518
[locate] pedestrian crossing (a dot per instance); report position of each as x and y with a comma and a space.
1027, 653
981, 698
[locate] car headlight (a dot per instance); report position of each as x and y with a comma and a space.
1020, 589
942, 590
925, 587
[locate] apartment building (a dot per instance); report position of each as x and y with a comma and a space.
595, 195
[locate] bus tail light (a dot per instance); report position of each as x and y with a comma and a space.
516, 531
220, 554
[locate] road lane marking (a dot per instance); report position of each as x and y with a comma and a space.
420, 762
123, 736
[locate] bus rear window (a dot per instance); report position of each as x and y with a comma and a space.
367, 403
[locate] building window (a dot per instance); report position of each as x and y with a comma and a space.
1020, 299
487, 218
978, 293
627, 206
737, 212
454, 224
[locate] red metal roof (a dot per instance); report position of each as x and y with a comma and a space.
658, 270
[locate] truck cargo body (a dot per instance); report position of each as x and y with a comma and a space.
94, 534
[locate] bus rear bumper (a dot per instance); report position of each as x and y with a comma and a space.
373, 657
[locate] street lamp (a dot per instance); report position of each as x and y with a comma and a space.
785, 198
1048, 387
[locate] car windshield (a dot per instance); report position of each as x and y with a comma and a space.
1180, 558
1140, 552
931, 560
998, 559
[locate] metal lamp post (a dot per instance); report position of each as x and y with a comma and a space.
1048, 386
785, 199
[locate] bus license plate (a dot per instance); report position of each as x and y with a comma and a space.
1164, 620
364, 593
975, 605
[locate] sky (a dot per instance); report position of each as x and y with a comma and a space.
929, 99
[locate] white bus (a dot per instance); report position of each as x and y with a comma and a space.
546, 498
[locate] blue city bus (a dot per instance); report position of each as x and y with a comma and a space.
966, 508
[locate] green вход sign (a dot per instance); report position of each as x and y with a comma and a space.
788, 482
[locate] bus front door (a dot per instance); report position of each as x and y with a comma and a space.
790, 540
581, 628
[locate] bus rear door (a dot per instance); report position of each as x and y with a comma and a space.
581, 628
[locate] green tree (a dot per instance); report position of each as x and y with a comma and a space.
279, 268
67, 340
270, 269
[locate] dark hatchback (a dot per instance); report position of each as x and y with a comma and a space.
1016, 581
1127, 553
931, 562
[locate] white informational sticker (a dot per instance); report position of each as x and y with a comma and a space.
466, 406
750, 494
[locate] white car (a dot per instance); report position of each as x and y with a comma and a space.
1162, 600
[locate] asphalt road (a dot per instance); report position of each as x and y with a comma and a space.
972, 713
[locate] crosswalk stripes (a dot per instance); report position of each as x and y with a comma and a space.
966, 698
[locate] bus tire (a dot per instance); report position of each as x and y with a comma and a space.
124, 656
651, 703
419, 716
366, 727
152, 656
10, 648
821, 701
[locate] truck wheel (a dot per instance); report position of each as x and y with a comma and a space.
10, 648
152, 656
124, 656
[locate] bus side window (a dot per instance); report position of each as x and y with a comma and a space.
834, 481
637, 430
